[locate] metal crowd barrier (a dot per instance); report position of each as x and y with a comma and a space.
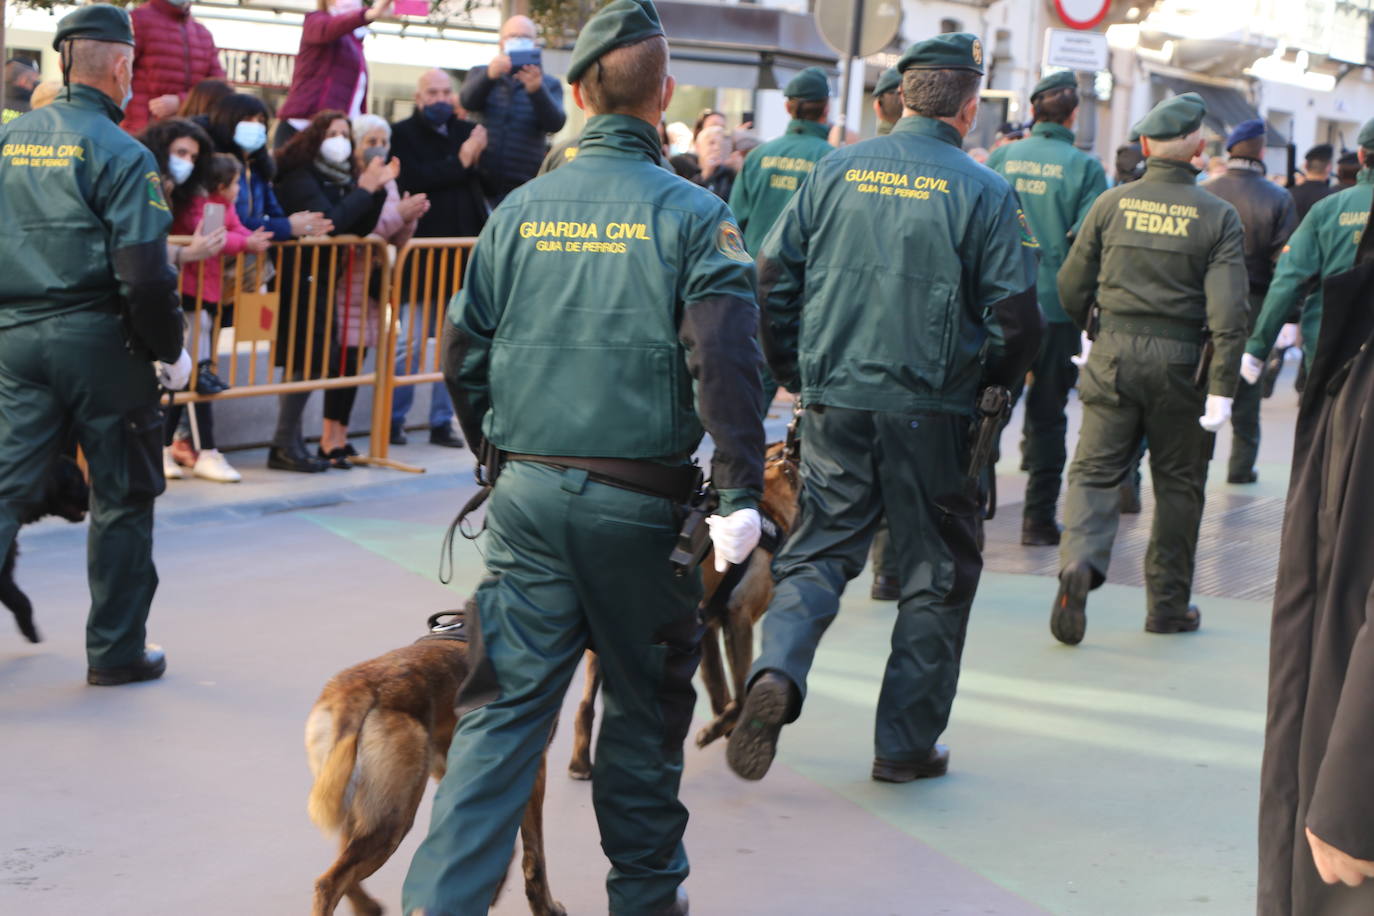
278, 316
426, 275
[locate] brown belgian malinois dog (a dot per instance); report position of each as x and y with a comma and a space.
377, 732
731, 605
381, 728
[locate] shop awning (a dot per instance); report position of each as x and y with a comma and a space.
1226, 107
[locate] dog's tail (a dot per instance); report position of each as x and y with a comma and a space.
331, 742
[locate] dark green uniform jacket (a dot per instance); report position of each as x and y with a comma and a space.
1163, 249
83, 224
771, 175
1056, 183
900, 277
538, 365
1323, 244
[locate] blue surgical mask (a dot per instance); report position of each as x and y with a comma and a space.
250, 136
180, 169
438, 112
519, 44
179, 2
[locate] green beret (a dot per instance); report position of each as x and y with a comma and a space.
810, 86
617, 24
97, 22
888, 80
951, 51
1366, 137
1063, 79
1173, 117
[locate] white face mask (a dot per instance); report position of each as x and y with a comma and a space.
180, 168
250, 136
336, 150
519, 44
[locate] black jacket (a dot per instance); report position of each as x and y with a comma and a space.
1319, 739
305, 289
1266, 211
458, 208
1308, 193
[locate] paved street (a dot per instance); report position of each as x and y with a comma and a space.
1116, 778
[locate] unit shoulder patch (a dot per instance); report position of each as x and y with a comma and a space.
730, 242
1028, 238
155, 198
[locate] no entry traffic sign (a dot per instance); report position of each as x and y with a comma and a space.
1082, 14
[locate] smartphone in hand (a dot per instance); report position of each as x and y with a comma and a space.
212, 219
532, 57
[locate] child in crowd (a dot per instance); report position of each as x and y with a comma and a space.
202, 284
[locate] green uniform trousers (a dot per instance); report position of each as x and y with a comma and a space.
1136, 385
1245, 414
573, 564
73, 371
857, 465
1043, 451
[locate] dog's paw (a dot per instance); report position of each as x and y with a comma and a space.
554, 909
580, 771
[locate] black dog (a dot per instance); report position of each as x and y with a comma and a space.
66, 495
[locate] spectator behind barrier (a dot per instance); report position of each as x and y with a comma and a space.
184, 156
331, 72
211, 283
172, 53
358, 293
21, 78
238, 126
520, 108
686, 163
439, 153
317, 174
713, 149
202, 98
45, 93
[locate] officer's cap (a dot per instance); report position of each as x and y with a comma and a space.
1322, 152
1060, 79
97, 22
810, 86
1366, 136
1173, 117
951, 51
617, 24
1245, 130
888, 80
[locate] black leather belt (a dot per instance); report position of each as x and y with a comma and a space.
676, 482
1153, 326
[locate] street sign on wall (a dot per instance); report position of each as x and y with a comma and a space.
1074, 50
1082, 14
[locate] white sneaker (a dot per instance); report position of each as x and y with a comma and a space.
170, 469
211, 465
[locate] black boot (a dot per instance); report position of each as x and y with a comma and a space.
885, 588
754, 741
1069, 618
1188, 623
1039, 532
294, 458
937, 764
445, 436
1130, 499
148, 668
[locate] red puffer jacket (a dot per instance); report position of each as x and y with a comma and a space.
172, 52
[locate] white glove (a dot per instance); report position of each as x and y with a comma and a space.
175, 376
1251, 368
1288, 337
734, 536
1218, 412
1086, 347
